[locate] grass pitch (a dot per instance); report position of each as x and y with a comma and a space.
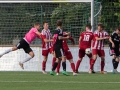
38, 81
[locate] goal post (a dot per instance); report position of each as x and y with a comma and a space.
17, 17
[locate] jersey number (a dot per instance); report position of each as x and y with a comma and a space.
86, 37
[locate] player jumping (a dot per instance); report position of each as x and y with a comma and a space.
25, 44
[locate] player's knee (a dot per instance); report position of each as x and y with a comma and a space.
71, 60
14, 48
102, 58
45, 58
31, 54
94, 57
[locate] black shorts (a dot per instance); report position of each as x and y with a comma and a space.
114, 51
59, 52
24, 45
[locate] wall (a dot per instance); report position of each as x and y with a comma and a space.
10, 61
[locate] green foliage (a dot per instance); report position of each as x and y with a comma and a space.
74, 16
110, 15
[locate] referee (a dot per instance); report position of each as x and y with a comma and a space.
114, 48
58, 48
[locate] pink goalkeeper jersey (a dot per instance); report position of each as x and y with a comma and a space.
31, 35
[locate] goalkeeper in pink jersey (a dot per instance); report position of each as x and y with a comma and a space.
25, 44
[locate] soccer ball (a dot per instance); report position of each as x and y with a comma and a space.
88, 51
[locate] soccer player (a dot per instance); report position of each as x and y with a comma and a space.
85, 40
114, 47
68, 55
46, 44
98, 45
24, 44
58, 48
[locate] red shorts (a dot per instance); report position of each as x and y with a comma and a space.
46, 52
68, 54
81, 53
98, 52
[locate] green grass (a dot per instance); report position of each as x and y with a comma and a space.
38, 81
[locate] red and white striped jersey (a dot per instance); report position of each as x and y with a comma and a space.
99, 44
46, 35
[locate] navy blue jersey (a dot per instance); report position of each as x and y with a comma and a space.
116, 39
57, 43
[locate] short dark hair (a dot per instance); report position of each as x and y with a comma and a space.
45, 22
89, 26
118, 28
36, 24
59, 22
101, 25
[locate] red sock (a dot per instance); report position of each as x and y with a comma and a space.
43, 65
58, 68
92, 62
53, 61
78, 64
73, 67
102, 65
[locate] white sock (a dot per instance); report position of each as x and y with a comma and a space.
26, 59
5, 52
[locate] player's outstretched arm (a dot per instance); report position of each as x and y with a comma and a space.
63, 38
72, 39
101, 38
46, 40
110, 39
38, 33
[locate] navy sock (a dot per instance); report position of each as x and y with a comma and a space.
64, 65
54, 66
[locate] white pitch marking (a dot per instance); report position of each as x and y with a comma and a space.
60, 82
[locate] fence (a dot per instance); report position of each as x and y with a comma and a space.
17, 19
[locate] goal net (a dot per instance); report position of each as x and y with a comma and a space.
17, 18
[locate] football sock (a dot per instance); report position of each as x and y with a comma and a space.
26, 59
114, 62
78, 64
53, 61
54, 66
92, 64
5, 52
64, 65
43, 65
102, 65
73, 67
58, 68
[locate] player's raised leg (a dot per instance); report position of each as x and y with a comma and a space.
8, 50
31, 55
